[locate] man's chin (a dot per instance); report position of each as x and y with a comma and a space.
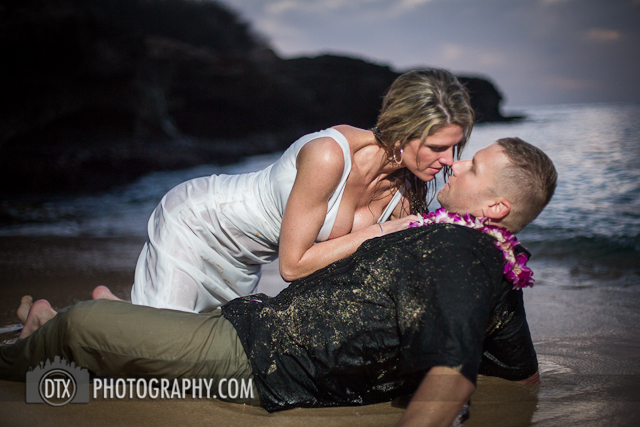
441, 199
444, 202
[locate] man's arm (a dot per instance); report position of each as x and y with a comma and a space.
533, 379
440, 397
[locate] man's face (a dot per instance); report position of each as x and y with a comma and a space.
470, 187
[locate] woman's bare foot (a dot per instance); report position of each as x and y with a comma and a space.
23, 310
39, 314
102, 292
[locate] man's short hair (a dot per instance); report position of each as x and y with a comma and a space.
529, 179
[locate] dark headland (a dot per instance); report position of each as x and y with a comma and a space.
100, 92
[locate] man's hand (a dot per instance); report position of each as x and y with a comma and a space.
440, 397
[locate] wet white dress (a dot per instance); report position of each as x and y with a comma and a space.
209, 236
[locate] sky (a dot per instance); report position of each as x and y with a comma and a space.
535, 51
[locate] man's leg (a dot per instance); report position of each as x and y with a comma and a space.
123, 340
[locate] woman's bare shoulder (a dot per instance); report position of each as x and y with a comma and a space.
322, 154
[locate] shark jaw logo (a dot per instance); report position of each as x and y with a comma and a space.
57, 383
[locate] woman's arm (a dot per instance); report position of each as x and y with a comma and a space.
320, 166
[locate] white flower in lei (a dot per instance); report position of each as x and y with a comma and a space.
515, 268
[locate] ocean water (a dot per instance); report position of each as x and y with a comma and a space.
583, 310
593, 219
592, 224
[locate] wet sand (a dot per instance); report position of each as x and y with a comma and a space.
586, 330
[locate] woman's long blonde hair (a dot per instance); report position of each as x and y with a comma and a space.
418, 104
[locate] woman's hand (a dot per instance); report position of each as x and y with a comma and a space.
399, 224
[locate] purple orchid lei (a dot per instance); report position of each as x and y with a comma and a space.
515, 268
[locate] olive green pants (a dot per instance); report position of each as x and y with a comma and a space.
117, 339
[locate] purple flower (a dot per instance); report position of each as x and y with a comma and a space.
507, 267
522, 259
515, 269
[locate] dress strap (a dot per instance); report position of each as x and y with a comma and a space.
392, 205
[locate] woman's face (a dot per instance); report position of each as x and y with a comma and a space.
426, 160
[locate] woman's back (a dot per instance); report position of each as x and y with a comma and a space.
209, 236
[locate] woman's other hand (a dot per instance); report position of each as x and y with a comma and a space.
399, 224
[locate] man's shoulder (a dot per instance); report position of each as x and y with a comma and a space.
452, 236
436, 239
459, 233
455, 234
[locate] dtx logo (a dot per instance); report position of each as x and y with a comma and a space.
58, 383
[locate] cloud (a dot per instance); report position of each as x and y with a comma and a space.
569, 84
276, 28
293, 25
452, 52
281, 7
455, 55
407, 5
313, 6
491, 59
601, 35
537, 51
365, 8
551, 2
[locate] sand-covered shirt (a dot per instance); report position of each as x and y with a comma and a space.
367, 328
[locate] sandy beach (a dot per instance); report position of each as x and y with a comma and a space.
587, 338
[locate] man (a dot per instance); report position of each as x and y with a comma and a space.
420, 311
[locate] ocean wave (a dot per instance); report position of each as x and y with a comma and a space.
620, 252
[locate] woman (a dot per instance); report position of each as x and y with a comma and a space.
328, 193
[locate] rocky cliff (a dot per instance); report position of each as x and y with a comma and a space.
99, 92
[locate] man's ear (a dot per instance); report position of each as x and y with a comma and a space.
497, 210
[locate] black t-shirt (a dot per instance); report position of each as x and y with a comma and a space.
367, 328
